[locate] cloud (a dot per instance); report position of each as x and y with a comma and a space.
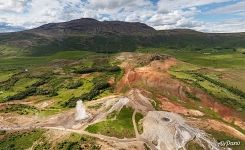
229, 25
112, 4
40, 12
169, 5
16, 6
163, 14
238, 7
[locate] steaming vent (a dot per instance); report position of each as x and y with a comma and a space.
81, 112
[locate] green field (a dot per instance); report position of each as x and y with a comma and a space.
227, 95
119, 126
55, 78
23, 62
216, 59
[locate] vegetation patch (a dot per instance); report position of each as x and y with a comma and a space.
22, 85
6, 85
33, 90
98, 69
74, 85
78, 142
5, 76
21, 109
138, 120
227, 95
222, 85
121, 126
20, 140
191, 96
96, 106
96, 90
217, 59
193, 146
43, 146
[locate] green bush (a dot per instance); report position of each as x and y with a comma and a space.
98, 69
6, 85
95, 91
191, 96
74, 85
78, 142
22, 95
20, 109
229, 88
33, 90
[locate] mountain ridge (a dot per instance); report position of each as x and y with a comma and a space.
111, 36
92, 26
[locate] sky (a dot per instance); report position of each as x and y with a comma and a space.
200, 15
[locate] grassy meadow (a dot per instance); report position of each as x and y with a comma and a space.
118, 124
62, 78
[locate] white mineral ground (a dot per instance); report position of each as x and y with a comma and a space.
172, 132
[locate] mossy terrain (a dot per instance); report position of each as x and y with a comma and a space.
120, 126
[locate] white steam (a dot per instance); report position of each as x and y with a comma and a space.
81, 112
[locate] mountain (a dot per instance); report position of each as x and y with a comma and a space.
110, 36
92, 26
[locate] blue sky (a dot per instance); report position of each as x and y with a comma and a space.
201, 15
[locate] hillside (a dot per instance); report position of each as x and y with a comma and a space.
110, 36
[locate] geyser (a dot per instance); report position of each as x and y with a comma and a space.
81, 112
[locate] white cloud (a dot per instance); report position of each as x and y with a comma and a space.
12, 5
165, 14
44, 11
238, 7
229, 25
110, 4
168, 5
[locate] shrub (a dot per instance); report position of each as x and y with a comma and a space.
229, 88
22, 95
96, 90
98, 69
74, 85
191, 96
